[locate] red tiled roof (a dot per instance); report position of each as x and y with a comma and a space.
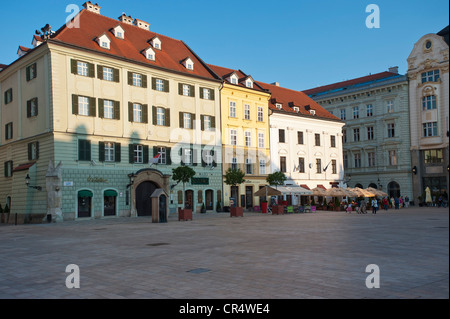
92, 25
338, 85
305, 186
224, 73
321, 186
23, 167
24, 49
288, 97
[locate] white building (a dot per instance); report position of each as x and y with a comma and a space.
305, 140
429, 112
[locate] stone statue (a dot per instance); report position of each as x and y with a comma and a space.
53, 179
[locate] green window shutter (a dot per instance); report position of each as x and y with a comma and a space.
155, 151
154, 110
29, 108
145, 113
100, 72
192, 121
130, 78
194, 155
91, 70
192, 91
168, 154
130, 112
166, 86
74, 66
29, 151
131, 153
213, 122
181, 120
146, 154
144, 81
92, 106
212, 94
101, 151
180, 88
153, 83
202, 122
37, 105
117, 152
116, 110
84, 150
74, 104
28, 73
116, 75
101, 110
167, 117
201, 93
37, 149
213, 153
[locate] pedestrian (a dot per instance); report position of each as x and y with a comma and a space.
400, 201
374, 205
385, 203
440, 201
392, 202
397, 203
363, 207
407, 201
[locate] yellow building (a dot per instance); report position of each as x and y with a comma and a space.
245, 134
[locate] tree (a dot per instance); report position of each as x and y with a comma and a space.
234, 177
183, 174
276, 179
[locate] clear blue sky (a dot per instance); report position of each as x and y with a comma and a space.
301, 44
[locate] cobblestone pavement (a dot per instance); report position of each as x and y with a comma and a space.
314, 255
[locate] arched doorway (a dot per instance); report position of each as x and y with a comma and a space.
143, 198
373, 185
209, 198
109, 202
85, 203
189, 199
393, 189
359, 185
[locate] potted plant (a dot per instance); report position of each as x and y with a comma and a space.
277, 179
203, 210
234, 177
218, 206
183, 174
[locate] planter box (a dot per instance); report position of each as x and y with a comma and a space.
278, 210
264, 207
184, 214
236, 211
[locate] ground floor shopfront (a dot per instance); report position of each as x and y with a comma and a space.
243, 195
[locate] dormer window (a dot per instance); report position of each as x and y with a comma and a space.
155, 43
104, 41
150, 54
279, 106
296, 109
312, 112
188, 64
249, 82
233, 79
119, 32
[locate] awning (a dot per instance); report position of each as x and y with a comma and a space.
23, 167
321, 186
110, 193
267, 191
85, 193
295, 190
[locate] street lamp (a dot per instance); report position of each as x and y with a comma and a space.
27, 182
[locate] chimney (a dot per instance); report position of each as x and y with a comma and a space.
275, 83
394, 69
92, 7
123, 18
141, 24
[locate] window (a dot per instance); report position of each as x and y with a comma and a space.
209, 158
8, 96
207, 123
369, 110
262, 167
32, 107
108, 74
260, 114
159, 85
392, 157
234, 164
433, 156
109, 152
233, 137
137, 113
84, 150
343, 115
82, 68
283, 164
31, 72
248, 139
160, 116
371, 159
300, 138
318, 166
9, 131
163, 157
356, 134
356, 112
261, 140
206, 94
187, 158
345, 159
281, 136
333, 141
249, 84
138, 154
430, 129
333, 167
137, 80
105, 45
317, 139
370, 135
247, 111
430, 76
429, 102
248, 166
344, 136
187, 120
232, 109
390, 106
33, 151
357, 158
83, 105
301, 164
234, 80
391, 129
186, 90
119, 34
108, 109
8, 169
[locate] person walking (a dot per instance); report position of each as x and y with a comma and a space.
374, 205
392, 202
397, 203
385, 203
406, 201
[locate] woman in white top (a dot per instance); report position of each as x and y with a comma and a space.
374, 205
